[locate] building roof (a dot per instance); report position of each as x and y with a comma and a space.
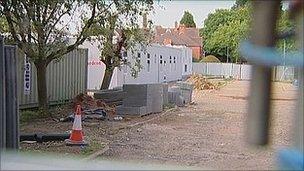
178, 36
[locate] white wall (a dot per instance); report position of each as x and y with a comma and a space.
96, 68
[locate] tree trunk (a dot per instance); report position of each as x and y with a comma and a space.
41, 84
106, 79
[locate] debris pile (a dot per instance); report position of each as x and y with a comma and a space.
91, 109
201, 83
85, 101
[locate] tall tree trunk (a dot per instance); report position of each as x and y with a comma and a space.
106, 79
41, 84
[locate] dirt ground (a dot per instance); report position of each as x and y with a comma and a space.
208, 134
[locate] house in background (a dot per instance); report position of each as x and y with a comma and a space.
180, 35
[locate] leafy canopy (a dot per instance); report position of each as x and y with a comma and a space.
188, 20
225, 29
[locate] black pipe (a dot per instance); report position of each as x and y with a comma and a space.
27, 137
44, 137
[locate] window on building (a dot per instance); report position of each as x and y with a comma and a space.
148, 65
161, 60
174, 61
155, 59
170, 60
186, 69
125, 54
138, 55
148, 55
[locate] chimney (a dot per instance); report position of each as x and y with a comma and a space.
145, 20
182, 29
167, 41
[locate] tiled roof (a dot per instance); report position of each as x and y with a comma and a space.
178, 36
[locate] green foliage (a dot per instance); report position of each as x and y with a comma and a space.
241, 3
285, 24
3, 25
226, 28
188, 20
210, 58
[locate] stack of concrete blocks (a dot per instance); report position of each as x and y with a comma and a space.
175, 96
180, 94
186, 90
141, 99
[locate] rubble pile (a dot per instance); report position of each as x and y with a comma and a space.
201, 83
91, 108
85, 101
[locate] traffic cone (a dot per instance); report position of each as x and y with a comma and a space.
76, 137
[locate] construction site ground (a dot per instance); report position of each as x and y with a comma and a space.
210, 133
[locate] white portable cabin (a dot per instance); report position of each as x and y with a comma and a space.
158, 64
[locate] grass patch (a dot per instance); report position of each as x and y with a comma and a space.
169, 106
31, 115
91, 148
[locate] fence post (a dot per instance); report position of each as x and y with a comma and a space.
12, 112
2, 97
263, 30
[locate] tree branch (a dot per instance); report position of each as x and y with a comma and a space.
80, 39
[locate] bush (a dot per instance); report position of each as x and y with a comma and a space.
210, 58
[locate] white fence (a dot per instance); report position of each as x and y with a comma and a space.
240, 71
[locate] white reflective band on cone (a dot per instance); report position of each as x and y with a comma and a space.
77, 123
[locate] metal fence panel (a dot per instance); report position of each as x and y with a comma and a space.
236, 71
199, 68
246, 72
65, 79
2, 96
284, 73
12, 111
227, 69
214, 69
241, 71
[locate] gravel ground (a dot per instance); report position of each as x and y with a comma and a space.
208, 134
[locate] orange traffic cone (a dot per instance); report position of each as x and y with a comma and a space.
76, 137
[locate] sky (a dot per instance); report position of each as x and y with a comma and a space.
167, 12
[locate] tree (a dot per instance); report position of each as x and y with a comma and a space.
241, 3
188, 20
227, 28
41, 30
224, 31
119, 31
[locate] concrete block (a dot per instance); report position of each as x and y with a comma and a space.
186, 90
123, 110
110, 95
175, 96
155, 98
149, 95
180, 101
135, 95
165, 94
